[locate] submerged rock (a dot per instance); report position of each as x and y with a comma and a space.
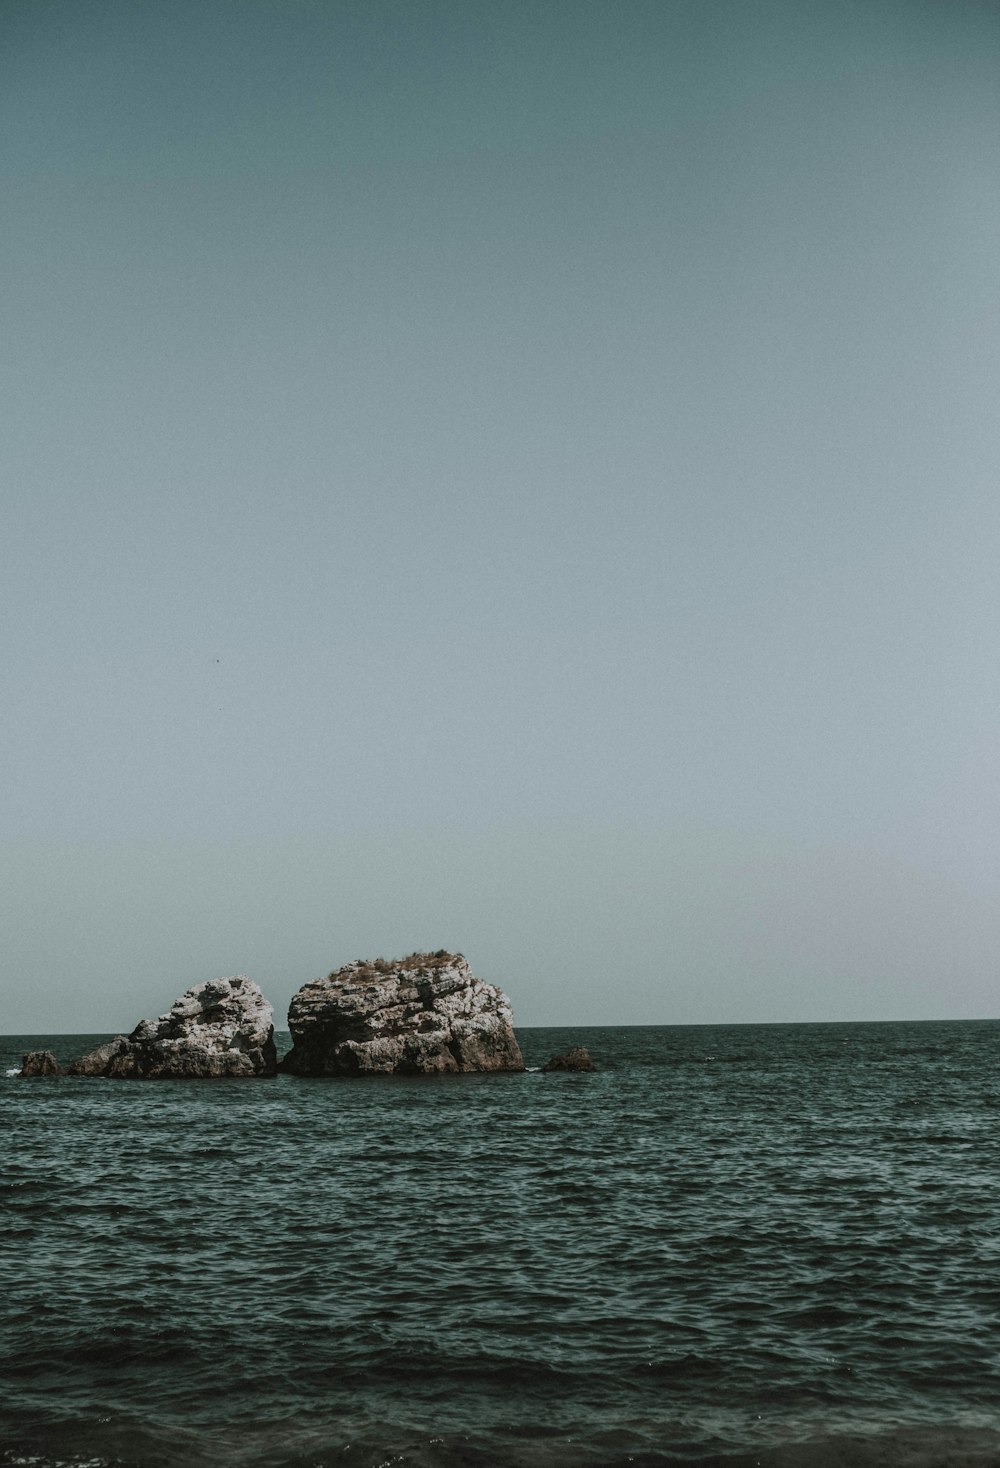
416, 1015
224, 1027
40, 1063
575, 1058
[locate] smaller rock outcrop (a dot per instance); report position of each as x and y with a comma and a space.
575, 1058
419, 1015
98, 1062
40, 1063
224, 1027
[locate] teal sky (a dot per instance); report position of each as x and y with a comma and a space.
515, 476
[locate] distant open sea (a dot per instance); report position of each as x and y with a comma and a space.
767, 1244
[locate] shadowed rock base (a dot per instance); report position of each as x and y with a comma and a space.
413, 1016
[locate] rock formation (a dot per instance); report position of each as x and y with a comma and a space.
416, 1015
575, 1058
40, 1063
220, 1028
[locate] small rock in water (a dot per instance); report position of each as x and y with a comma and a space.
40, 1063
575, 1058
224, 1027
418, 1015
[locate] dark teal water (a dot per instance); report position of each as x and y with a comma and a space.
761, 1244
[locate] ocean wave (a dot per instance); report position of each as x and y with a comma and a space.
395, 1446
684, 1262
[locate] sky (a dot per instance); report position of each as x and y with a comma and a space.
513, 477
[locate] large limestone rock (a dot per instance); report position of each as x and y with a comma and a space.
224, 1027
415, 1015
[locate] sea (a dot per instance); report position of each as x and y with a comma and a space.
773, 1245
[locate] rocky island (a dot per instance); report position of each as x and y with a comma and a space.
576, 1058
40, 1063
423, 1014
224, 1027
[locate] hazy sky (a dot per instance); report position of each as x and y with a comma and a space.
519, 476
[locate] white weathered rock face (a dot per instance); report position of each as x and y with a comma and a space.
416, 1015
224, 1027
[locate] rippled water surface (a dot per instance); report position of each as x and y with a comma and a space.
759, 1244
